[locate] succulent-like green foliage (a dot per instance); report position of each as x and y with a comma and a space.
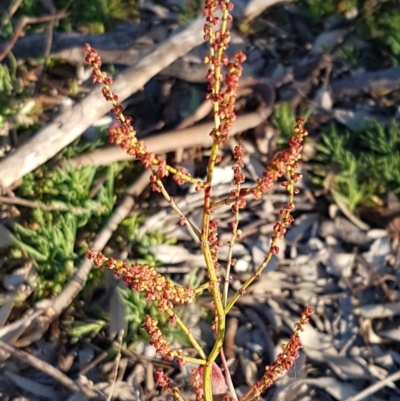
361, 165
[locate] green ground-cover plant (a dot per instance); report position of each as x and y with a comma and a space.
208, 380
92, 16
377, 21
320, 9
47, 234
362, 166
285, 121
48, 237
381, 23
15, 108
189, 10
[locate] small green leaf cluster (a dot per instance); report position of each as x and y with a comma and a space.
361, 165
49, 238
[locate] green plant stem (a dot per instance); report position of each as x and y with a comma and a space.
213, 280
199, 290
219, 308
230, 252
268, 257
189, 335
196, 361
191, 227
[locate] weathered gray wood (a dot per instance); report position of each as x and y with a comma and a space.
375, 83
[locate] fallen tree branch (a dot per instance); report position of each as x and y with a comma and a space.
389, 380
371, 83
198, 135
114, 47
70, 124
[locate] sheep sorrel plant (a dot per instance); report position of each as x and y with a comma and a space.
209, 380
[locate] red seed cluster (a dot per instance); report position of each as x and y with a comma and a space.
196, 380
284, 361
123, 134
285, 163
223, 76
221, 71
226, 98
210, 8
146, 279
163, 381
238, 178
162, 346
238, 154
178, 176
214, 242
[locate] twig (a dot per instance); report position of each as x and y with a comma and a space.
44, 367
49, 32
198, 135
70, 124
228, 377
375, 387
37, 205
20, 28
369, 83
11, 11
95, 362
193, 230
117, 360
12, 331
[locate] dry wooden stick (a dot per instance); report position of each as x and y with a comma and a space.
44, 367
49, 31
20, 29
389, 380
199, 135
375, 83
11, 11
116, 362
70, 124
112, 45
